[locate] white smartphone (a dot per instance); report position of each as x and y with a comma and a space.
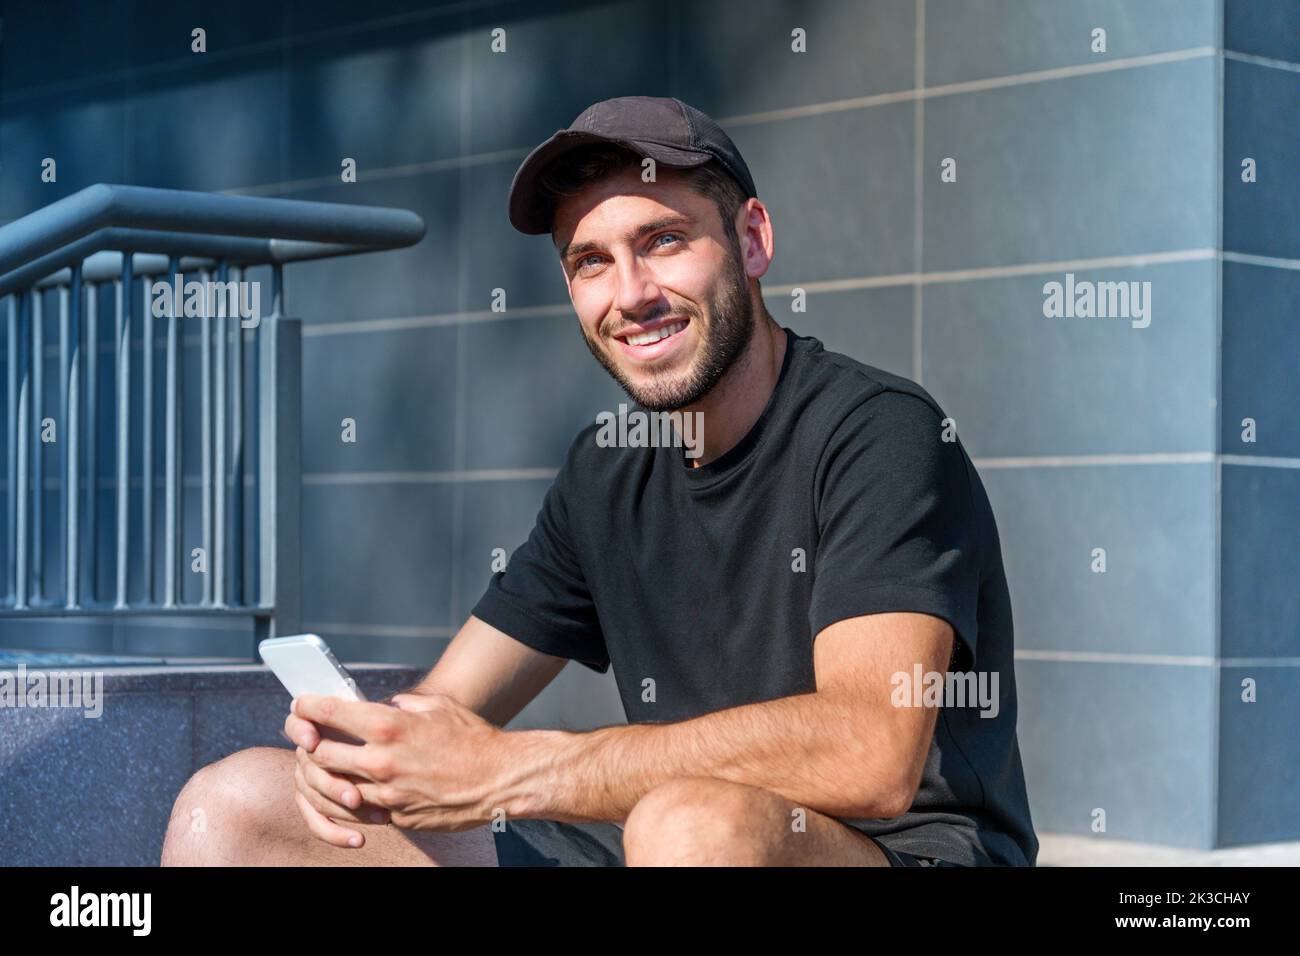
305, 665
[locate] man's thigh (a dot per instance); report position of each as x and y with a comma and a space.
241, 811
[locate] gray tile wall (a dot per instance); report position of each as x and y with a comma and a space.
1259, 481
1116, 166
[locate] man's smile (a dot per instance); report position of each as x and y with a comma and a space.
652, 340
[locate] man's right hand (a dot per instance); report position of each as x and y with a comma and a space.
325, 799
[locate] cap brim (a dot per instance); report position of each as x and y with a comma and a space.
531, 217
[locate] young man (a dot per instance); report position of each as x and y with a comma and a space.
785, 602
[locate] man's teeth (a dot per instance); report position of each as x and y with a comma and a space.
647, 338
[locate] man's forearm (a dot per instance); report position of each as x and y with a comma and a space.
815, 750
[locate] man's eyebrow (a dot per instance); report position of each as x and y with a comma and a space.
576, 249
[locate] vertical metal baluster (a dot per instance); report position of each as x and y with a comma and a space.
24, 422
38, 447
237, 451
71, 392
218, 566
92, 440
279, 500
146, 437
123, 386
277, 290
64, 436
11, 442
205, 427
172, 496
277, 304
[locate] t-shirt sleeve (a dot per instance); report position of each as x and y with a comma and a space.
898, 530
541, 599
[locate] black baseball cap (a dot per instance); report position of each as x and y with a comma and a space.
670, 132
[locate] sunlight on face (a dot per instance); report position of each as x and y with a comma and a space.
661, 293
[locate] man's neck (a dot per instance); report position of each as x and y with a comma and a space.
731, 407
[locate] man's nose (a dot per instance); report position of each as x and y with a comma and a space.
637, 290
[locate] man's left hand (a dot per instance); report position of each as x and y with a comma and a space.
431, 761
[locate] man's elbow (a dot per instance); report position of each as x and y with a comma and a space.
899, 800
887, 803
888, 796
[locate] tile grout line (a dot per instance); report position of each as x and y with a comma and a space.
1216, 504
814, 287
818, 286
918, 198
1268, 262
970, 86
1170, 660
812, 109
1266, 61
469, 476
461, 412
414, 632
428, 477
1260, 461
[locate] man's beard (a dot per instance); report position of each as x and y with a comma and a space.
731, 325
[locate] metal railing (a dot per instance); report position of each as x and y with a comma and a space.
103, 239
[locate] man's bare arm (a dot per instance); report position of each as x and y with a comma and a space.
490, 672
843, 750
482, 668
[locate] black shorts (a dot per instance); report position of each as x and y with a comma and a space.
549, 843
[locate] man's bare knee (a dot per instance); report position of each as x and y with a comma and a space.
241, 811
229, 806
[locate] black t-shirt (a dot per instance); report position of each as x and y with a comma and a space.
692, 577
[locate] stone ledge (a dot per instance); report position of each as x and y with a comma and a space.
1067, 850
78, 791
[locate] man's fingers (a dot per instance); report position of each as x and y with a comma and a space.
340, 758
361, 719
324, 828
301, 733
323, 792
336, 797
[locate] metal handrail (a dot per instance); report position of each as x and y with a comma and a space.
236, 250
112, 235
107, 205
